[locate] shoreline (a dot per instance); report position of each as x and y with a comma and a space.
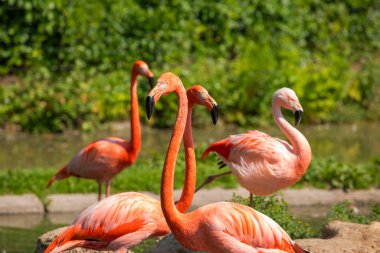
77, 202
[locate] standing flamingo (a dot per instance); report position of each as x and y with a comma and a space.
126, 219
261, 163
218, 227
103, 159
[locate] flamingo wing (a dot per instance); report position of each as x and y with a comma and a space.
112, 218
252, 145
91, 161
261, 163
250, 227
119, 214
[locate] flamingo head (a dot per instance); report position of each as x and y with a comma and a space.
166, 83
197, 94
288, 99
141, 68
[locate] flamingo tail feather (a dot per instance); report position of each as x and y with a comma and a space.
298, 249
220, 147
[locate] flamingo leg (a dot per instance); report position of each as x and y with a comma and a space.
99, 191
212, 178
250, 200
108, 188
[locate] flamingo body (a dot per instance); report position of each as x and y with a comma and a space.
263, 164
231, 227
120, 221
104, 159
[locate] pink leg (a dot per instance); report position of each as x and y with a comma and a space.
212, 178
108, 188
99, 191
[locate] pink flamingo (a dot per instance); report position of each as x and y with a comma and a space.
261, 163
218, 227
104, 159
123, 220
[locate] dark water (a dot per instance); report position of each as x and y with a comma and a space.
349, 143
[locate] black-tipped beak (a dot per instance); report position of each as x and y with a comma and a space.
149, 106
151, 82
297, 117
214, 114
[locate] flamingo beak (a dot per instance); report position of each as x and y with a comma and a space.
151, 82
149, 105
297, 117
214, 114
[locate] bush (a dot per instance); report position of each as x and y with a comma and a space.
241, 50
278, 210
345, 212
333, 174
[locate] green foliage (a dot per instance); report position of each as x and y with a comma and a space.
241, 51
344, 211
278, 210
67, 104
331, 173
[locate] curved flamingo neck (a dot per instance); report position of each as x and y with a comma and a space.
190, 174
135, 142
172, 215
301, 147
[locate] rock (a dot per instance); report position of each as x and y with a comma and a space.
294, 197
313, 197
339, 237
45, 239
61, 203
20, 204
26, 220
170, 245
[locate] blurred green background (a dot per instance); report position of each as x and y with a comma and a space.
66, 64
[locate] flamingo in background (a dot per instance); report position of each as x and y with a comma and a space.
218, 227
103, 159
261, 163
126, 219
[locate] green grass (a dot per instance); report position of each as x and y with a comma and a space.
145, 175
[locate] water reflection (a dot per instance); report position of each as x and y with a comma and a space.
350, 143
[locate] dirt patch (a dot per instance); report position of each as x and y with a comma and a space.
345, 237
